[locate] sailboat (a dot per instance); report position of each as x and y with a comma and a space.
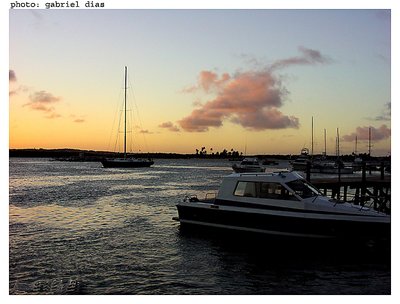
126, 162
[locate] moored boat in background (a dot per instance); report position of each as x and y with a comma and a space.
249, 164
126, 162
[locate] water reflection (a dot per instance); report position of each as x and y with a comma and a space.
80, 228
268, 265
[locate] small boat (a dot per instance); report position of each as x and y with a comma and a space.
270, 162
126, 162
248, 165
330, 167
282, 204
300, 163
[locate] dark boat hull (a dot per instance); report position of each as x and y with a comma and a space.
279, 223
126, 164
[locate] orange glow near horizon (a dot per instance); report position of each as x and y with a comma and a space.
65, 90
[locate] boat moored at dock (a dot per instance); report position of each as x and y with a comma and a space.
249, 164
282, 204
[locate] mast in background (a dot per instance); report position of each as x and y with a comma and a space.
125, 87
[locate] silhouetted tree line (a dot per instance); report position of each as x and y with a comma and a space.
222, 154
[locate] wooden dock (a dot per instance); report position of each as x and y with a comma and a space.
364, 190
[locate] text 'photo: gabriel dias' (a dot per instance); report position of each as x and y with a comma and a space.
57, 4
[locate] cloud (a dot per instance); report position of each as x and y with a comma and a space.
20, 89
43, 97
53, 115
251, 98
11, 76
40, 100
77, 119
43, 101
362, 133
145, 132
308, 57
208, 81
385, 114
170, 126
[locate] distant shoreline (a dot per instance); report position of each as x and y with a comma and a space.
76, 154
91, 155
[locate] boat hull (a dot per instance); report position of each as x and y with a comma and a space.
312, 225
109, 163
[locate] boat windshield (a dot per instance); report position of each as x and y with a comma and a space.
303, 188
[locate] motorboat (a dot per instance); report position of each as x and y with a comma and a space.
282, 204
270, 162
330, 167
300, 163
248, 164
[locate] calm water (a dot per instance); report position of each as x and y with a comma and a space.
77, 228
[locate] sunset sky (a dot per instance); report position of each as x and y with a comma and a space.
248, 80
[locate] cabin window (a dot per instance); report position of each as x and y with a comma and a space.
247, 189
263, 190
275, 191
303, 189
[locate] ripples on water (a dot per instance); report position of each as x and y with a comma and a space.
77, 228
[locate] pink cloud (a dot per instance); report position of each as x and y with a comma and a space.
208, 81
251, 99
266, 119
362, 133
145, 132
43, 101
43, 97
41, 107
170, 126
11, 76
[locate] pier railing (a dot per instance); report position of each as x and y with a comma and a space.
370, 190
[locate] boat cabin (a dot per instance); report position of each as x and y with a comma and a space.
276, 186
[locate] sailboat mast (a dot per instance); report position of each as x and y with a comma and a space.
312, 135
125, 87
369, 141
337, 143
355, 151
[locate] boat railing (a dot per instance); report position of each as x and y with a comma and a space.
282, 172
377, 202
209, 197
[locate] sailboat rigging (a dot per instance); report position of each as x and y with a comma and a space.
126, 162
